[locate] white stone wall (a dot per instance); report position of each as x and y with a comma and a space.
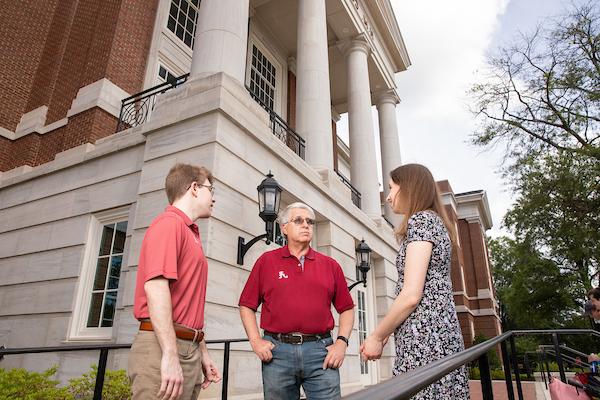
45, 214
44, 221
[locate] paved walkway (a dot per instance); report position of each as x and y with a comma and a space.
531, 390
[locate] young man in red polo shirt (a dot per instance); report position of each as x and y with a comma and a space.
296, 287
169, 355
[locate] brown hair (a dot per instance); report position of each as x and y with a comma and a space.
181, 176
420, 193
594, 292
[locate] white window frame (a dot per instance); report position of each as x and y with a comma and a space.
270, 56
78, 330
166, 48
173, 34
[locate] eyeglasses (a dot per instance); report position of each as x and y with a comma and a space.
300, 221
211, 188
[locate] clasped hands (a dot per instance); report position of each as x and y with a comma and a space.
372, 347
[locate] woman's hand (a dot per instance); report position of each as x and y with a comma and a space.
372, 348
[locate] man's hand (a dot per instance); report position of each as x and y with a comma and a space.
171, 377
335, 355
372, 348
262, 348
210, 371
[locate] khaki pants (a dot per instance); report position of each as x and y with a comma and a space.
144, 367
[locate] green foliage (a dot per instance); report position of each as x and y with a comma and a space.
497, 375
493, 358
541, 102
24, 385
532, 288
116, 385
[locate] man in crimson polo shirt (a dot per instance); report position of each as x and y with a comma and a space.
169, 355
296, 287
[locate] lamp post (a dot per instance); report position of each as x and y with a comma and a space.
363, 263
269, 196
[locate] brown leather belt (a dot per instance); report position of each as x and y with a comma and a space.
297, 338
182, 332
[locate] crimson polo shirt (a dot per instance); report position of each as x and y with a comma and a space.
172, 249
296, 299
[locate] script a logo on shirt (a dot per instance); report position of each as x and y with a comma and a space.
282, 275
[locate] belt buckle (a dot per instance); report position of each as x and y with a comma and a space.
298, 335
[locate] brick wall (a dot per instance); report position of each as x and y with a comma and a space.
24, 27
49, 50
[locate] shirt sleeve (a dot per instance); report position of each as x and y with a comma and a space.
342, 300
251, 296
161, 249
421, 227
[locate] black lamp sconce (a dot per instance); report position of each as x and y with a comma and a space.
269, 196
363, 263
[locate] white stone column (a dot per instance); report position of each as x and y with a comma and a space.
313, 98
221, 39
363, 157
390, 144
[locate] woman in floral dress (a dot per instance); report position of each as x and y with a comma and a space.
423, 316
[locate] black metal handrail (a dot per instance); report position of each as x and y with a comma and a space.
354, 192
102, 360
281, 129
136, 109
409, 383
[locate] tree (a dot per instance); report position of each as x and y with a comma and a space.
540, 99
543, 93
533, 289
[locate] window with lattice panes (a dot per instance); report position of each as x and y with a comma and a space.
263, 78
362, 326
108, 272
183, 15
164, 75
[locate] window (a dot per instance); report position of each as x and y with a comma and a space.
362, 327
164, 75
108, 272
182, 20
262, 78
95, 311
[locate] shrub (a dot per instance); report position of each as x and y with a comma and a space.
25, 385
116, 385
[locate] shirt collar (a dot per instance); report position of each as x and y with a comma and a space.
286, 253
183, 216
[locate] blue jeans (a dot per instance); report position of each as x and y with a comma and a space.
300, 364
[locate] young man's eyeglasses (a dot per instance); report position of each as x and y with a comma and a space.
211, 188
300, 221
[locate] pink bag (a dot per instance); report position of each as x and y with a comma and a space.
563, 391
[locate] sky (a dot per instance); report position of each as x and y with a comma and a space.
447, 42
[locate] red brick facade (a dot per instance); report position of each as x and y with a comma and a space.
51, 49
475, 296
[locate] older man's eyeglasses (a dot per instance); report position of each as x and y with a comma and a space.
300, 221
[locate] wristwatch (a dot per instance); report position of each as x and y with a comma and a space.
344, 338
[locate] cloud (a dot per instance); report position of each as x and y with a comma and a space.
447, 43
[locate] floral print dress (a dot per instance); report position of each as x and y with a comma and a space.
432, 330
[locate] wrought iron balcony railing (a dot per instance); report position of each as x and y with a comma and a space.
281, 129
136, 109
353, 190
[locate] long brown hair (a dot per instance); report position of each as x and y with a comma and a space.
420, 193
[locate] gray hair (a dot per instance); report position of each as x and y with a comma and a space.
284, 216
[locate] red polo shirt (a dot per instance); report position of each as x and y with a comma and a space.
296, 299
172, 249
